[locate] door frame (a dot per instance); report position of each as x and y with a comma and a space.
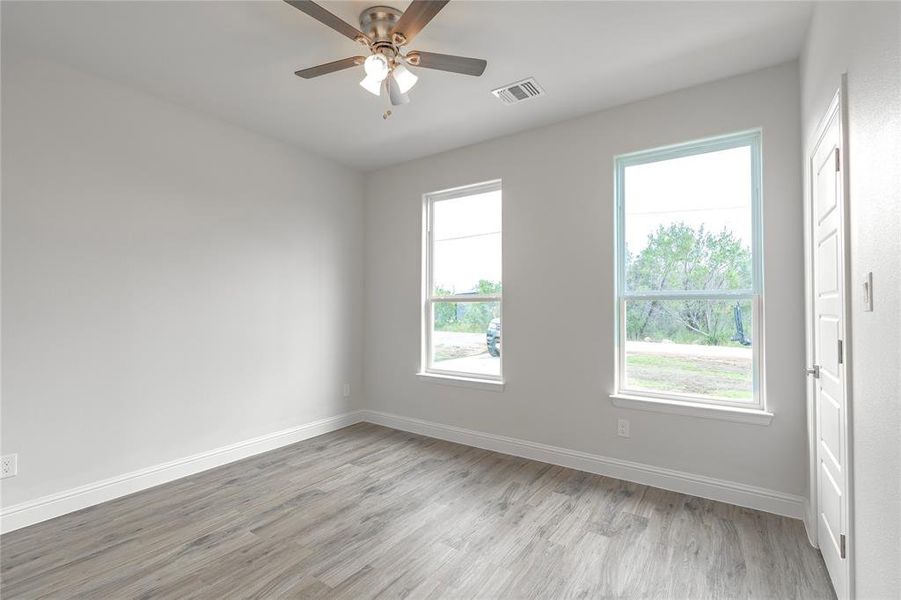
837, 108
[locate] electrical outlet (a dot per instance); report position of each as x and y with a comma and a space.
9, 466
622, 428
347, 390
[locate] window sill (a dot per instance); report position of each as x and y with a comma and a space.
753, 416
467, 382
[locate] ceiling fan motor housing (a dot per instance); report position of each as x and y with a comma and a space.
378, 21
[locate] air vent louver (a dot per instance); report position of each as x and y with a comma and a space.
519, 91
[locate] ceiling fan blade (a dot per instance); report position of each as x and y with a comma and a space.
447, 62
326, 18
338, 65
417, 16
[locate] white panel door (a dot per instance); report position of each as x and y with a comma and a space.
828, 276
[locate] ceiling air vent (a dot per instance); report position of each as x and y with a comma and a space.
519, 91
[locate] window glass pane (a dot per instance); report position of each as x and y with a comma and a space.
688, 222
466, 234
466, 337
697, 347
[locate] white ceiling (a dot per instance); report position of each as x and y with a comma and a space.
236, 60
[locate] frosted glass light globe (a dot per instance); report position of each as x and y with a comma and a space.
376, 66
372, 85
405, 79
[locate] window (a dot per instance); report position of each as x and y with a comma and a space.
462, 299
688, 274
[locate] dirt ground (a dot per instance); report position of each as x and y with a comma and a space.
449, 345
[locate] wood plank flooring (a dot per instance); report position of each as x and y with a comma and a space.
370, 512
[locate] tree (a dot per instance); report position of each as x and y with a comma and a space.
445, 312
678, 257
467, 316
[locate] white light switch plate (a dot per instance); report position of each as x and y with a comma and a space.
868, 293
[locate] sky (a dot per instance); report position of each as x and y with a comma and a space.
467, 237
712, 189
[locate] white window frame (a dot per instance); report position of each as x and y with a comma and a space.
673, 401
429, 299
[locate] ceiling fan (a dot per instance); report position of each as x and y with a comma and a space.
386, 32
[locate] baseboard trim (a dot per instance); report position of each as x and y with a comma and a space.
61, 503
732, 492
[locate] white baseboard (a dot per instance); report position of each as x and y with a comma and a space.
740, 494
55, 505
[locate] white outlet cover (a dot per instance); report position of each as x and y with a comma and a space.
9, 466
622, 428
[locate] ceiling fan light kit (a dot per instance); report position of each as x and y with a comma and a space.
396, 96
386, 31
376, 66
372, 85
405, 78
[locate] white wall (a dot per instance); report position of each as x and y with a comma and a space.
864, 40
171, 283
558, 278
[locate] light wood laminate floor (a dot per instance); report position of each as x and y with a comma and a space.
368, 511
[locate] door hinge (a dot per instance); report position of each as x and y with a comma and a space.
841, 544
815, 371
838, 160
841, 352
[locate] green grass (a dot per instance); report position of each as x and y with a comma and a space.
697, 366
729, 378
